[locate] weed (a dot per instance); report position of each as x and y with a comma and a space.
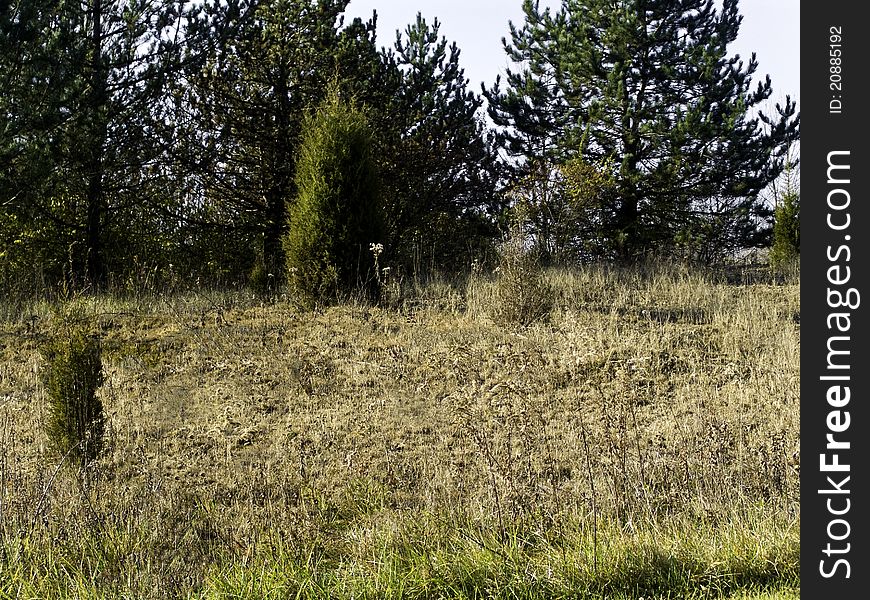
521, 296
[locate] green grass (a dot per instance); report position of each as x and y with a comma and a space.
638, 442
428, 557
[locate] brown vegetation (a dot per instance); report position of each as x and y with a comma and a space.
650, 411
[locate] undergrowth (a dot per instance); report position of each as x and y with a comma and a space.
640, 441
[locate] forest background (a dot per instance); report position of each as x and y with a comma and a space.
163, 137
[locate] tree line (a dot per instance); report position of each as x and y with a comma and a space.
184, 136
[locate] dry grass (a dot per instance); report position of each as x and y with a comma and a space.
641, 441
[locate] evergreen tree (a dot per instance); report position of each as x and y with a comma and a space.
438, 163
336, 219
646, 90
786, 230
76, 422
84, 80
261, 65
29, 80
786, 245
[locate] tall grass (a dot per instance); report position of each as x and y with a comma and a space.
640, 442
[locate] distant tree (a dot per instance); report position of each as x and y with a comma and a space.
79, 132
336, 216
786, 216
646, 90
786, 230
240, 106
437, 160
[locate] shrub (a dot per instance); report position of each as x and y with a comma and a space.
75, 423
521, 295
786, 231
262, 281
336, 215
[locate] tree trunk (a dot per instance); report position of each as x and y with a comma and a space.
95, 260
274, 229
96, 268
282, 180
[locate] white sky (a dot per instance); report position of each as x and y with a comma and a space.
770, 28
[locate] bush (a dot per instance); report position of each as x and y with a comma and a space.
521, 295
261, 281
336, 216
786, 231
75, 423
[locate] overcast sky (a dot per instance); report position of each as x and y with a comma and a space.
771, 29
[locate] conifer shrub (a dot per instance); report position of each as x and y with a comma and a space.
73, 372
336, 216
786, 231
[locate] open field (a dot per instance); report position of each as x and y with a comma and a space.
641, 442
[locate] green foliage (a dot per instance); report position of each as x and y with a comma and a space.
786, 230
170, 137
169, 141
261, 280
82, 133
336, 217
436, 157
34, 37
73, 372
588, 188
650, 87
786, 198
256, 68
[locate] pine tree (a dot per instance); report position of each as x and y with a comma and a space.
261, 66
438, 162
786, 245
40, 60
647, 90
786, 230
85, 78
